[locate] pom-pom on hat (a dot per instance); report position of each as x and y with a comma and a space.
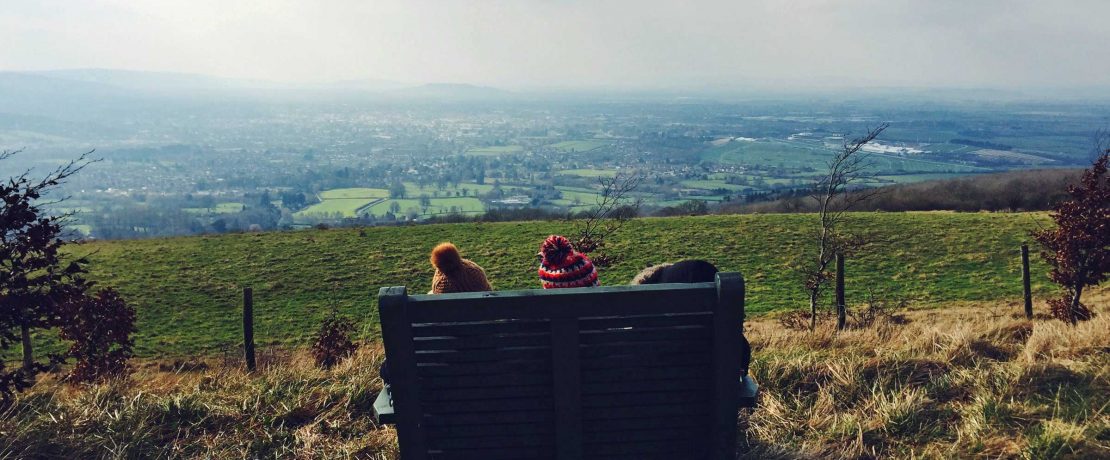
563, 267
454, 273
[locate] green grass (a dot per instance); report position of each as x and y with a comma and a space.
494, 150
578, 146
220, 208
798, 154
346, 207
713, 185
348, 193
589, 172
187, 290
438, 206
413, 190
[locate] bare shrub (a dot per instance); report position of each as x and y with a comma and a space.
614, 207
333, 341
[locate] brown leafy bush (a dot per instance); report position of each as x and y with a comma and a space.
100, 327
1078, 248
1063, 310
333, 342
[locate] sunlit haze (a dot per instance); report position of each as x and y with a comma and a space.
535, 44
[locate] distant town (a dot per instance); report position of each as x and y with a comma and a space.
213, 164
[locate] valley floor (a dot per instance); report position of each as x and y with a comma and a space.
976, 380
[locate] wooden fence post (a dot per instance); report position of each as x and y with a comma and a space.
1025, 281
841, 308
248, 327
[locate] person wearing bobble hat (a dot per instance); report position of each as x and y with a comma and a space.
454, 273
563, 267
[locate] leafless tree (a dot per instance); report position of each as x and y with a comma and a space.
614, 206
845, 170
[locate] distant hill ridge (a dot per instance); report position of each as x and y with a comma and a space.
1032, 190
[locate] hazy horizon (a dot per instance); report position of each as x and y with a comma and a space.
575, 45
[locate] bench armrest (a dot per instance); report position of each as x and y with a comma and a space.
749, 392
383, 407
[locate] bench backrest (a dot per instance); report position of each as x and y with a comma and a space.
610, 372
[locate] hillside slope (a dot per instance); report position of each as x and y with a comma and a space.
188, 290
964, 382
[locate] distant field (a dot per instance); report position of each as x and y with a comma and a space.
589, 172
187, 290
413, 190
348, 193
907, 178
798, 154
495, 150
714, 184
353, 202
438, 206
220, 208
579, 146
346, 207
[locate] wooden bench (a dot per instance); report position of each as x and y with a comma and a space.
653, 371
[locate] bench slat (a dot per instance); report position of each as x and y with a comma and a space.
488, 405
518, 453
428, 370
450, 443
539, 353
460, 329
642, 399
697, 319
486, 380
489, 417
644, 348
467, 394
694, 334
610, 413
481, 341
477, 430
635, 386
634, 362
643, 423
645, 373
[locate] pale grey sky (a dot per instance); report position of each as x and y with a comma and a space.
532, 43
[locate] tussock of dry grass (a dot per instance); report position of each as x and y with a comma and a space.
957, 383
970, 382
289, 409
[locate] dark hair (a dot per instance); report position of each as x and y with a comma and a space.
686, 271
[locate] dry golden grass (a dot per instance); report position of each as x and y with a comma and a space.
972, 381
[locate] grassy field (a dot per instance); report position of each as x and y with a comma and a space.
797, 154
354, 193
352, 202
713, 185
187, 290
220, 208
589, 172
495, 150
578, 146
962, 382
438, 206
346, 207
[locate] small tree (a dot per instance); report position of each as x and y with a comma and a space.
614, 207
845, 169
35, 278
1078, 249
100, 327
333, 341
